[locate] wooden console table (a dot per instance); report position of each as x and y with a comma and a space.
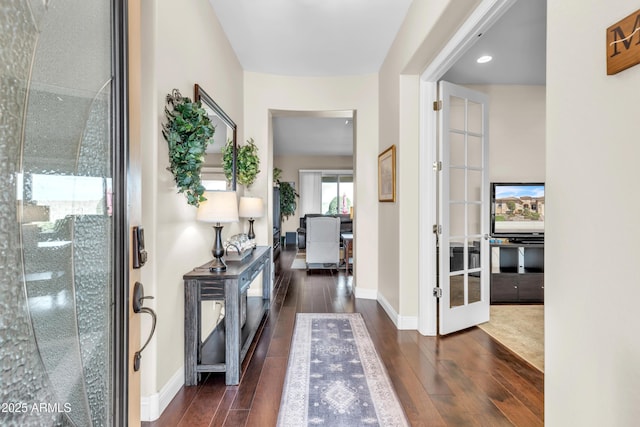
225, 348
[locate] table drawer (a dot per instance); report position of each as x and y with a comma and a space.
211, 290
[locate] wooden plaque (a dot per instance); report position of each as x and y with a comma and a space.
623, 44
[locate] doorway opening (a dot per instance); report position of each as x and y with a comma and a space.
478, 26
313, 152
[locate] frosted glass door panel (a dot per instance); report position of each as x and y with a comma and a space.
57, 75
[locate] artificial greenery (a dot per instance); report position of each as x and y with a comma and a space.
227, 160
188, 131
288, 195
288, 202
247, 162
276, 174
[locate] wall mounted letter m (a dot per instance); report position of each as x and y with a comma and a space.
623, 44
619, 37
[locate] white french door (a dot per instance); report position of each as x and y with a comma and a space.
463, 208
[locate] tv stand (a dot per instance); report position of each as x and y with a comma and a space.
517, 272
526, 240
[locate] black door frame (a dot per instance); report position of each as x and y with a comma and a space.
120, 165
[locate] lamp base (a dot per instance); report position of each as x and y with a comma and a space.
217, 265
252, 234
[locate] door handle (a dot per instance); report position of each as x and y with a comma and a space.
138, 301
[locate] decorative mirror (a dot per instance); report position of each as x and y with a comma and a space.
225, 131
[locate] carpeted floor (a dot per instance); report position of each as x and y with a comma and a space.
335, 376
521, 329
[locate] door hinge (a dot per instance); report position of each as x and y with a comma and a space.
437, 229
437, 105
437, 292
437, 166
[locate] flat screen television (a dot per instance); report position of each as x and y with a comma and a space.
517, 211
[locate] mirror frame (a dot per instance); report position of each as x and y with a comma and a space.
203, 97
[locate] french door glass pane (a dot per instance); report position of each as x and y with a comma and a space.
457, 290
457, 152
474, 117
474, 212
474, 185
457, 184
474, 151
457, 113
457, 218
475, 290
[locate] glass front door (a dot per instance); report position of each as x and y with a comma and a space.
57, 275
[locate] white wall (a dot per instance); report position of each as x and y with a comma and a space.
291, 166
517, 132
182, 44
592, 284
265, 92
424, 32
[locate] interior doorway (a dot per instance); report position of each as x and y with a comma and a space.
488, 13
313, 151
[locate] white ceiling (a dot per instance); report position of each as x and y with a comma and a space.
340, 37
313, 136
517, 43
311, 37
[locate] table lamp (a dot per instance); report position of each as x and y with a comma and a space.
220, 206
251, 207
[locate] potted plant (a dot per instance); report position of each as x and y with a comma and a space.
188, 131
288, 195
247, 162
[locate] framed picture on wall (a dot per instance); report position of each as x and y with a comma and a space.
387, 175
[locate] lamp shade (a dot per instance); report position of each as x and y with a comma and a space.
220, 206
251, 207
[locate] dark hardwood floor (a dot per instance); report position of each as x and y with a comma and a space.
463, 379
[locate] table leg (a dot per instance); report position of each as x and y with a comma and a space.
266, 280
232, 330
191, 331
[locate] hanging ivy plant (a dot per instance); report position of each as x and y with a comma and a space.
276, 175
188, 131
227, 160
247, 162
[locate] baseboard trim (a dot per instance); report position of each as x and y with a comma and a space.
366, 293
401, 322
408, 323
151, 407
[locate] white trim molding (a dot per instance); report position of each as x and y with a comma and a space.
366, 293
151, 407
401, 322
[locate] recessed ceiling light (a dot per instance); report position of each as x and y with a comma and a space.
484, 59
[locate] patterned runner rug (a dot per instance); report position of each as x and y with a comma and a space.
335, 377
